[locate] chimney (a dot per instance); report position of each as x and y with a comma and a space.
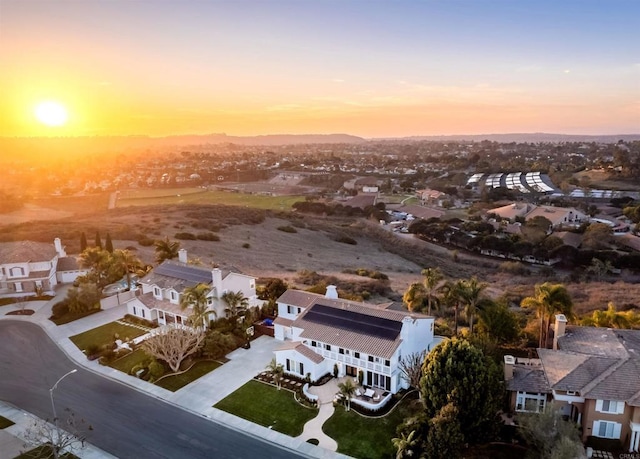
216, 277
182, 255
561, 325
509, 362
58, 246
332, 292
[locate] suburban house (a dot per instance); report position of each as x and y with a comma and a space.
164, 285
31, 268
323, 334
558, 216
431, 197
592, 375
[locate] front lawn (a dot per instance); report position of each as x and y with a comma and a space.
265, 405
105, 334
126, 363
359, 436
175, 382
4, 422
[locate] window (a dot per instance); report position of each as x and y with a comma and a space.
609, 406
174, 296
142, 311
530, 403
288, 365
387, 363
135, 312
252, 284
156, 292
327, 347
300, 368
606, 429
370, 358
356, 355
340, 351
314, 344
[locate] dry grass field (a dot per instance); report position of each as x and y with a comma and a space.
251, 242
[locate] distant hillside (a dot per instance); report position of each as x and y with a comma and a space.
528, 138
274, 139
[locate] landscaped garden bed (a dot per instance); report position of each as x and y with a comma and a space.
263, 404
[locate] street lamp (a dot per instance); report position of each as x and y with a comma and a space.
53, 406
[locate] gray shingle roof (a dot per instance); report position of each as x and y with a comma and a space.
528, 379
598, 363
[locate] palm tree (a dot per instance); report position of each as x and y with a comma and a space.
276, 370
237, 304
454, 295
432, 278
414, 297
97, 261
547, 300
610, 318
128, 262
196, 298
347, 389
404, 444
166, 250
471, 293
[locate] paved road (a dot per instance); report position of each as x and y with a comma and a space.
126, 423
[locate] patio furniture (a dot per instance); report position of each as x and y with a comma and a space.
376, 398
369, 393
358, 393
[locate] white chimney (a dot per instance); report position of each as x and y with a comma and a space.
509, 362
58, 246
182, 255
216, 277
332, 292
561, 325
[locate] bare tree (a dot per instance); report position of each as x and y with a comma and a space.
411, 368
174, 344
54, 439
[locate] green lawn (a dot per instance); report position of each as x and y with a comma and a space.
105, 334
265, 405
173, 383
126, 363
4, 422
211, 197
362, 437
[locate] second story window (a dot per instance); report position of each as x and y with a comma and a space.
370, 358
340, 351
356, 355
327, 347
609, 406
156, 292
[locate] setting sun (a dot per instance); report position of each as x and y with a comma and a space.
51, 113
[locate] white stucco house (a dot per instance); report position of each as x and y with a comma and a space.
29, 268
323, 331
162, 288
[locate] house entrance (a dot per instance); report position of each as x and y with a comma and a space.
351, 371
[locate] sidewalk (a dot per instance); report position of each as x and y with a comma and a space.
197, 397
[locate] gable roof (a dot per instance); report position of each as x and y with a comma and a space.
370, 329
598, 363
176, 275
26, 251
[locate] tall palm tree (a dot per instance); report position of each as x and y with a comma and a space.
237, 304
196, 298
432, 278
166, 249
414, 297
127, 262
547, 300
97, 261
471, 293
276, 370
347, 389
454, 294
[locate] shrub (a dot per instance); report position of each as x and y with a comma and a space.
208, 237
246, 245
287, 229
346, 240
514, 268
185, 236
145, 241
156, 370
59, 310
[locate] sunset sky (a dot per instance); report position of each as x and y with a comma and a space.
362, 67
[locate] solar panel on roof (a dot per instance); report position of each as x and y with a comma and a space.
188, 273
354, 321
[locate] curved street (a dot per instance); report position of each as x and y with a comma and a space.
124, 421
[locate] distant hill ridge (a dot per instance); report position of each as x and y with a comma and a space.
527, 137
